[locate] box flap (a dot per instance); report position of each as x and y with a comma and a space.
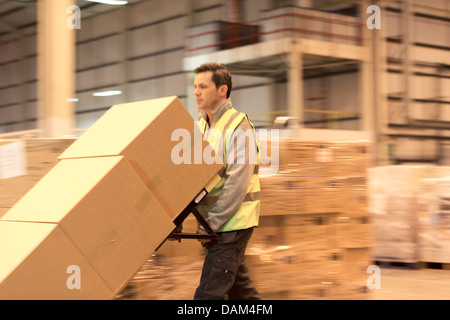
118, 126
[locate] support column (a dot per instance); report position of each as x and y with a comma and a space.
191, 105
56, 69
366, 80
125, 45
295, 85
381, 113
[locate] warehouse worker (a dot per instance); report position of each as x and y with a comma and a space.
232, 207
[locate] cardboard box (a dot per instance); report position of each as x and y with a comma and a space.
288, 193
353, 230
273, 268
12, 160
35, 260
326, 290
149, 140
319, 266
104, 208
268, 234
3, 211
434, 220
310, 231
355, 263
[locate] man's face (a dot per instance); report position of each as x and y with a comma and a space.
207, 96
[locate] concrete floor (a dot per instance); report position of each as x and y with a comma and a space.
406, 284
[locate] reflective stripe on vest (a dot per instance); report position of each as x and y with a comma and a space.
248, 213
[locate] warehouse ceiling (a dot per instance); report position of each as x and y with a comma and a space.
276, 67
18, 17
18, 20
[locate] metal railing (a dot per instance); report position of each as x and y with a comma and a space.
303, 26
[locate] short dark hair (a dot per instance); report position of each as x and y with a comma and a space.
220, 76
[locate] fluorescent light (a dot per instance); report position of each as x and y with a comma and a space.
111, 2
107, 93
72, 100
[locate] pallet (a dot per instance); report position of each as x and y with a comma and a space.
411, 265
434, 265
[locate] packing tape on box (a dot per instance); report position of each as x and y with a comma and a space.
152, 184
143, 201
107, 240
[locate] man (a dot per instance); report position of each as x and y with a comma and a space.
232, 207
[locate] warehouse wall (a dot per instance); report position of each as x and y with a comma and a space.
331, 92
430, 36
139, 49
18, 84
429, 79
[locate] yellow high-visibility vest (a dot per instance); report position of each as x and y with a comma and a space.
247, 215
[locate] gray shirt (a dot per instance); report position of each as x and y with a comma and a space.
239, 173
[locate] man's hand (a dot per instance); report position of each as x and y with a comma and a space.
178, 229
203, 241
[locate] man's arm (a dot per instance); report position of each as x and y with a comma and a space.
239, 174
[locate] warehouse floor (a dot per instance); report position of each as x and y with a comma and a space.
407, 284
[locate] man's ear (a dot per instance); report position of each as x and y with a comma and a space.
223, 90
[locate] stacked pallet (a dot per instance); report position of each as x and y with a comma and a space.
41, 155
434, 220
314, 236
109, 201
396, 195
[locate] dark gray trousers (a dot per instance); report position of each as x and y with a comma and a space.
224, 274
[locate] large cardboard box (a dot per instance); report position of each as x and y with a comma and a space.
3, 211
36, 261
153, 135
104, 207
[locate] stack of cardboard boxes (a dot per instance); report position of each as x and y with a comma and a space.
401, 202
23, 164
314, 236
433, 208
90, 223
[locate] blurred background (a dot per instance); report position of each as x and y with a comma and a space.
333, 72
375, 73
